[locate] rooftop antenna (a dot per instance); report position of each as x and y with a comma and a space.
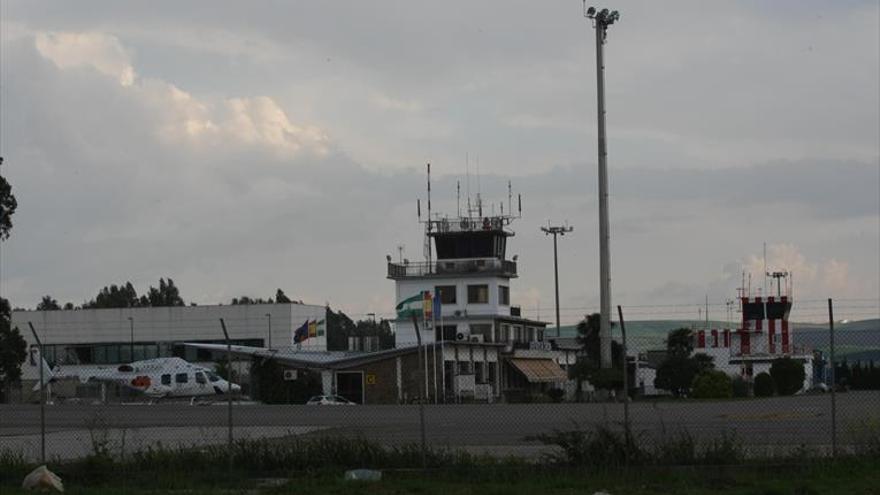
509, 199
467, 168
400, 248
479, 191
458, 196
428, 229
765, 268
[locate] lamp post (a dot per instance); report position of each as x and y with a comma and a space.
555, 231
601, 20
269, 319
131, 341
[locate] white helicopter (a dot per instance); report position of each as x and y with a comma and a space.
156, 378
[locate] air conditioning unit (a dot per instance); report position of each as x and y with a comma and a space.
457, 312
460, 336
476, 338
290, 375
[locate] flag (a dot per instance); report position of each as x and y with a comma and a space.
301, 333
427, 305
313, 329
410, 306
436, 309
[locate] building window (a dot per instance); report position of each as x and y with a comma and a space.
479, 376
478, 294
447, 293
181, 378
484, 329
504, 295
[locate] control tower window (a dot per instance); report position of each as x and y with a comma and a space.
478, 294
504, 295
447, 293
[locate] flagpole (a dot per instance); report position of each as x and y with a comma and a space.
434, 346
443, 357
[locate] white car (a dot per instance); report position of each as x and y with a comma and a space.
329, 400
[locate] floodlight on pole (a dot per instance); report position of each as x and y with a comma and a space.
601, 20
555, 231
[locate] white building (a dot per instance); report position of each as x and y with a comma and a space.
114, 336
763, 336
468, 271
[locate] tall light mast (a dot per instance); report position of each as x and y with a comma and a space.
555, 231
601, 20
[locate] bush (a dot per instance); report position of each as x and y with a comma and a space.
712, 384
764, 386
740, 387
788, 375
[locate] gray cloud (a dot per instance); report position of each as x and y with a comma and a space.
717, 146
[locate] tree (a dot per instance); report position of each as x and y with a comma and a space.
281, 297
788, 375
712, 384
115, 296
680, 343
764, 386
677, 372
166, 295
8, 204
13, 349
588, 365
48, 304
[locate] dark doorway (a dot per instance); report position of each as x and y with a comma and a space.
350, 384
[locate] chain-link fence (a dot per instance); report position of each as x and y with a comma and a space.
707, 384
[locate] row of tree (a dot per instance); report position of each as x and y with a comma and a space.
167, 294
858, 375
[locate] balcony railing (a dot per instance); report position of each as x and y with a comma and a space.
442, 268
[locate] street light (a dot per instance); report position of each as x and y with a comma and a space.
601, 20
554, 231
269, 318
131, 345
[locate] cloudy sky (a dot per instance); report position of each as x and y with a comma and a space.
238, 147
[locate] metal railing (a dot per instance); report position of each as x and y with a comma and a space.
487, 266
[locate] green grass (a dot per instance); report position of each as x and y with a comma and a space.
850, 477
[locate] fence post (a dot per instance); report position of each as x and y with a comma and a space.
626, 427
42, 397
833, 380
228, 390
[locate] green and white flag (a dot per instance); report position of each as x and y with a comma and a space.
410, 306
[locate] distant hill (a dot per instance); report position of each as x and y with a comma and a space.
851, 338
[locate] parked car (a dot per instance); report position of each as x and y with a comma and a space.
329, 400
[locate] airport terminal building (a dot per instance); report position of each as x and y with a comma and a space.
92, 337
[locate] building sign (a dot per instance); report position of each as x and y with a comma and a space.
371, 379
540, 346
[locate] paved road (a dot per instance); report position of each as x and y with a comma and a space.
786, 421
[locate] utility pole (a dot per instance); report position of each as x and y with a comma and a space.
269, 318
601, 20
555, 231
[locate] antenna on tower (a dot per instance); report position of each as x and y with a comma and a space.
428, 252
458, 197
509, 198
467, 169
765, 268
